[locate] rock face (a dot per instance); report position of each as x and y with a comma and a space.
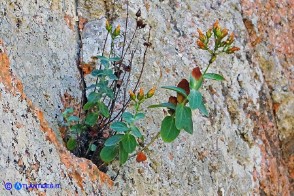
246, 145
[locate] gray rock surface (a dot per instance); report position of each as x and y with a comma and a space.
242, 148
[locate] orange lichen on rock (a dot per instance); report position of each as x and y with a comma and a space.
11, 83
105, 178
50, 135
82, 22
69, 21
272, 177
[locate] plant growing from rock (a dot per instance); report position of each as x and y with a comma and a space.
85, 137
188, 98
88, 131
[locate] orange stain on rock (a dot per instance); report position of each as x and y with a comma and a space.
273, 175
11, 83
82, 22
50, 135
75, 165
69, 21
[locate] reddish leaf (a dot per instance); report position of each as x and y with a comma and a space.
172, 100
196, 73
184, 84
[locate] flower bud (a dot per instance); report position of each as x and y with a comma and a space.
230, 39
132, 95
218, 32
216, 29
151, 92
116, 31
201, 44
224, 33
108, 26
232, 50
216, 25
202, 37
209, 33
140, 94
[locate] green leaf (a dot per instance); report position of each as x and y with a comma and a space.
102, 72
108, 91
107, 72
105, 63
93, 147
78, 128
195, 84
103, 58
177, 89
184, 118
128, 117
123, 155
71, 144
91, 119
97, 72
203, 109
113, 140
108, 153
135, 131
213, 76
103, 109
114, 59
195, 99
89, 105
73, 119
67, 112
94, 97
119, 127
102, 83
165, 105
112, 77
129, 143
168, 130
139, 116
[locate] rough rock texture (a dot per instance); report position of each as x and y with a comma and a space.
246, 145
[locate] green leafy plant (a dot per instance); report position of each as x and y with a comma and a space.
87, 131
180, 117
124, 142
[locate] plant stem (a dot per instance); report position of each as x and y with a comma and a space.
151, 142
206, 68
